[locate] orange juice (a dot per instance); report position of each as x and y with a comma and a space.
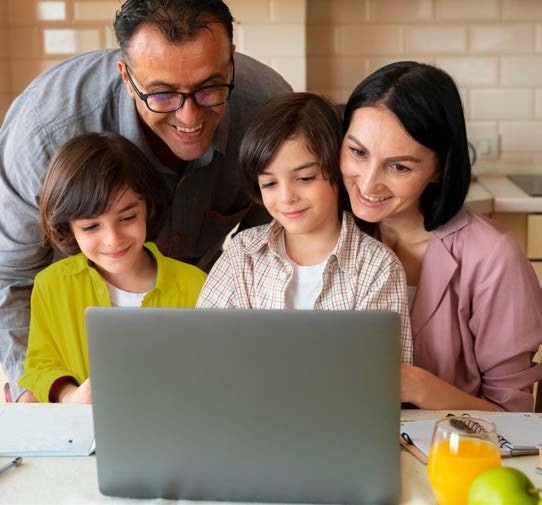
454, 463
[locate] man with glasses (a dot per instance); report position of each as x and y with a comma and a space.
177, 90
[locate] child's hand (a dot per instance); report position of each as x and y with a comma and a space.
74, 394
27, 397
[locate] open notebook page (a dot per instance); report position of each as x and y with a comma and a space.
46, 430
521, 430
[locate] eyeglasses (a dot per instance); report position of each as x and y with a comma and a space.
170, 101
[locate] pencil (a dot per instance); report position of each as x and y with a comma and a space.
417, 453
12, 464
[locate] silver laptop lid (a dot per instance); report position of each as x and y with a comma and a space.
252, 406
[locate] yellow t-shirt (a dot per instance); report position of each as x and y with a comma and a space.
57, 342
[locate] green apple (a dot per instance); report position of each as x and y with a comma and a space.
503, 485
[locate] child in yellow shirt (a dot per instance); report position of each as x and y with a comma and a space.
101, 201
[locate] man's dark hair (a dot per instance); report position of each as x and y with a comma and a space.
177, 20
426, 101
83, 177
296, 115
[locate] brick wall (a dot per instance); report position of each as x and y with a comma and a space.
273, 32
493, 49
44, 32
39, 33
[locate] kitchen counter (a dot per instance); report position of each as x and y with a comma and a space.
513, 209
479, 199
507, 197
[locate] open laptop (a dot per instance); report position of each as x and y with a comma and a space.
246, 405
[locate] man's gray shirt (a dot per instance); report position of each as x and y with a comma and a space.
85, 94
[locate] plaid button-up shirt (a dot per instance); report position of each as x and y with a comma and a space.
360, 274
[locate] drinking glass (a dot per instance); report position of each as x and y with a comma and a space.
462, 447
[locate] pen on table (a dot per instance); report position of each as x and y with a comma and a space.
12, 464
407, 443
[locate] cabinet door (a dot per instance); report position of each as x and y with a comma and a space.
537, 265
534, 236
516, 223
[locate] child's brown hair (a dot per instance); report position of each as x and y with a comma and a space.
295, 115
82, 178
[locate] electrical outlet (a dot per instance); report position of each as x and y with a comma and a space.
487, 146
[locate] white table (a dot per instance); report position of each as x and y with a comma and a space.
72, 481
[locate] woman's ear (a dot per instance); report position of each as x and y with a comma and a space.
436, 177
439, 171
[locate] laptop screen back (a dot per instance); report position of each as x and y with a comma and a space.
251, 406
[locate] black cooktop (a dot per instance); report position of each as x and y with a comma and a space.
530, 183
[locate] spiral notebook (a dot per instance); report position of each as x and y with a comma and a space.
518, 433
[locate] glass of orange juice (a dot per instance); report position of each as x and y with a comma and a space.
461, 448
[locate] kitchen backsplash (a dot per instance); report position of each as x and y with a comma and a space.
493, 48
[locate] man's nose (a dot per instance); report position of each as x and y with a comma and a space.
189, 114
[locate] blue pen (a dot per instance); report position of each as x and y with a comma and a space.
16, 462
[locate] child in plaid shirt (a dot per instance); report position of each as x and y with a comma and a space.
312, 255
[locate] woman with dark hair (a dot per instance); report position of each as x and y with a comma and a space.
475, 301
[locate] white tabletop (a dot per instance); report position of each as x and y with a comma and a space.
62, 480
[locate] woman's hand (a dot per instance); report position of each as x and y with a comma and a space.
427, 391
415, 384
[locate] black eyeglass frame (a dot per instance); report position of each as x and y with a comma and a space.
183, 96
